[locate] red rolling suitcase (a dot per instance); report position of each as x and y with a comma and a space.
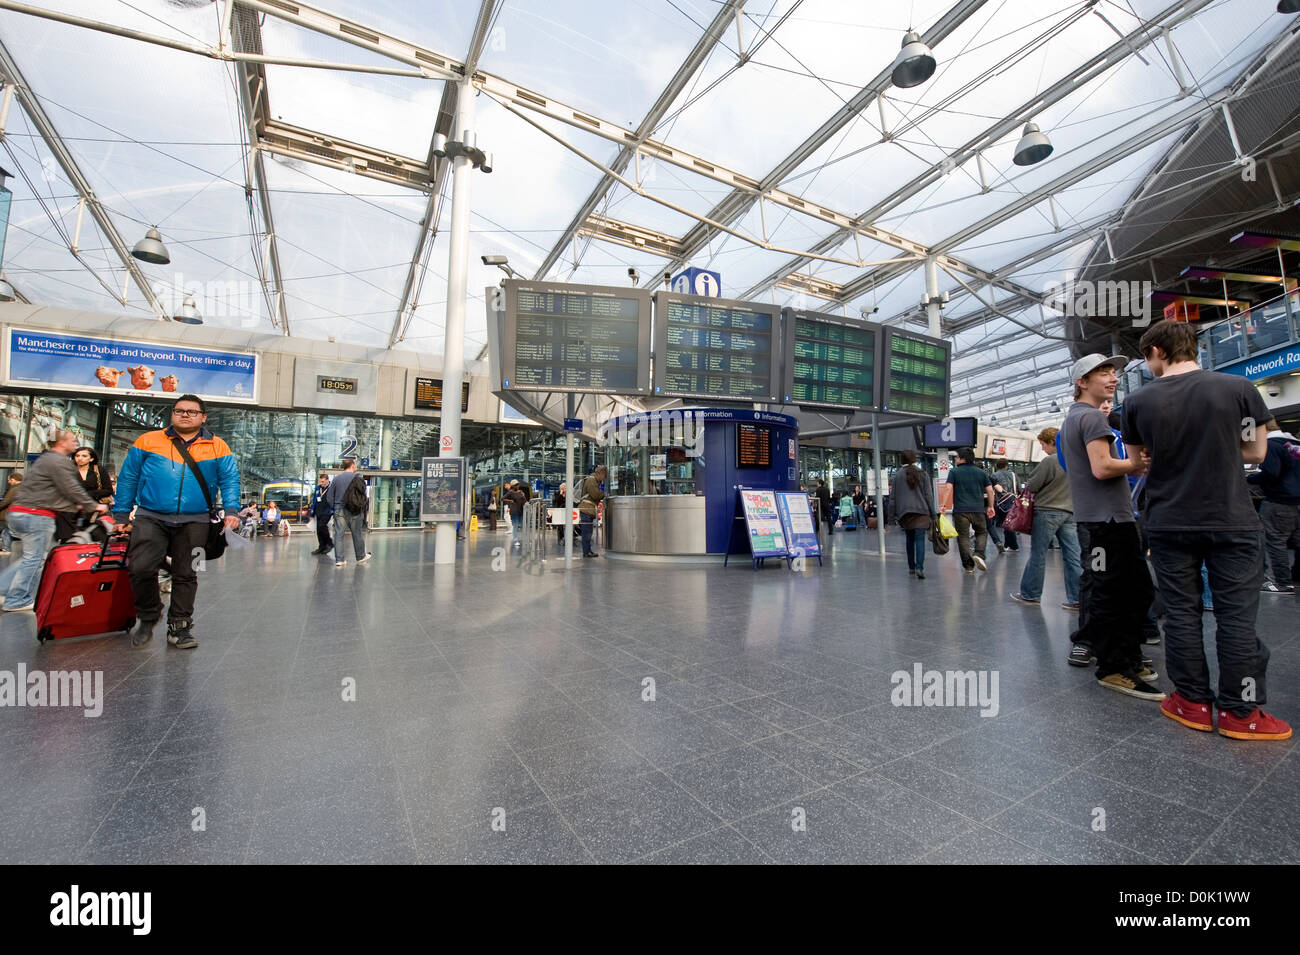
85, 589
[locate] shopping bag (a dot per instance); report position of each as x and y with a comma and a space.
946, 527
1020, 520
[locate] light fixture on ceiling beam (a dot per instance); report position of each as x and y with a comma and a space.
189, 313
151, 249
1034, 146
914, 64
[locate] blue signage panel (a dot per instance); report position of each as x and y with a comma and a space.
797, 520
697, 282
1259, 367
91, 365
573, 424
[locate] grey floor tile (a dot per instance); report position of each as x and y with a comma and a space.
588, 762
634, 818
722, 846
738, 782
824, 828
807, 759
923, 819
981, 846
1066, 842
956, 793
534, 836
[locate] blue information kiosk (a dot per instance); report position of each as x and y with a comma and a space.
674, 477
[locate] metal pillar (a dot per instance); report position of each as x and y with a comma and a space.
571, 410
932, 306
453, 353
880, 497
1286, 295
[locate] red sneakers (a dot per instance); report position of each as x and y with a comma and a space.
1194, 715
1258, 725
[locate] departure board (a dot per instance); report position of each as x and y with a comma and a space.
428, 394
831, 361
753, 446
579, 338
716, 348
916, 372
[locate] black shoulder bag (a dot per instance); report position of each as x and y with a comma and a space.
215, 545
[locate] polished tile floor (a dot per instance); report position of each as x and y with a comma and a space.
505, 716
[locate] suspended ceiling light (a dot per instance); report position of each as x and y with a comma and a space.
151, 249
7, 293
1024, 425
914, 63
1288, 6
1034, 146
993, 421
189, 313
1055, 409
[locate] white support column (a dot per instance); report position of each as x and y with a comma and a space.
572, 497
880, 493
932, 306
453, 353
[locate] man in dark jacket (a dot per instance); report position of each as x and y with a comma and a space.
515, 499
589, 499
345, 521
823, 495
322, 512
1278, 478
52, 486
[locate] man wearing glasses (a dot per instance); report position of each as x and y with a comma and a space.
172, 515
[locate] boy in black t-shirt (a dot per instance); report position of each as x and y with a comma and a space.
1196, 428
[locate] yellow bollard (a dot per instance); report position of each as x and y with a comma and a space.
473, 522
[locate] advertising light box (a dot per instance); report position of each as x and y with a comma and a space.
716, 348
831, 361
575, 338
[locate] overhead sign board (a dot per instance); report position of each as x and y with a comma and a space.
831, 361
428, 394
716, 348
575, 338
92, 366
917, 373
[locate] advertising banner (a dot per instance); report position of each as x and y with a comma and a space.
91, 366
766, 537
442, 489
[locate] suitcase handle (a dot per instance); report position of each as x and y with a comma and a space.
111, 563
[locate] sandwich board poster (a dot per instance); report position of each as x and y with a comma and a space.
442, 489
131, 369
797, 519
762, 520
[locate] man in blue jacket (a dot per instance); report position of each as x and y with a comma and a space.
1278, 478
322, 512
172, 515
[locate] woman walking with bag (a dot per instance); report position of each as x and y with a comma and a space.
1053, 519
911, 498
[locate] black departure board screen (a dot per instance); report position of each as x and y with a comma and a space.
753, 446
428, 394
716, 348
917, 373
830, 361
579, 338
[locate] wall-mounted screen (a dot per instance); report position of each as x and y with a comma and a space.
753, 446
831, 361
716, 348
950, 433
917, 373
575, 338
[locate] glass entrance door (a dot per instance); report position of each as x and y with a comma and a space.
394, 498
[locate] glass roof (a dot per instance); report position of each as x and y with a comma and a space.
159, 136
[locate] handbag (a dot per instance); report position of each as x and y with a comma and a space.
1020, 519
1003, 502
215, 545
946, 527
937, 540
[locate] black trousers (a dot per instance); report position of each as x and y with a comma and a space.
152, 542
1235, 562
1115, 593
323, 537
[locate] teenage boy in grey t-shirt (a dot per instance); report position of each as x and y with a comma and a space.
1120, 590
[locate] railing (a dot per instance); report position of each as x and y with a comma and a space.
533, 534
1264, 327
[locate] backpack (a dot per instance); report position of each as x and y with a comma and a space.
354, 498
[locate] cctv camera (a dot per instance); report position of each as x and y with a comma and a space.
1273, 391
439, 145
864, 311
633, 274
486, 165
494, 260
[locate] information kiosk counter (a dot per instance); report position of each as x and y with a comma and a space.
673, 476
